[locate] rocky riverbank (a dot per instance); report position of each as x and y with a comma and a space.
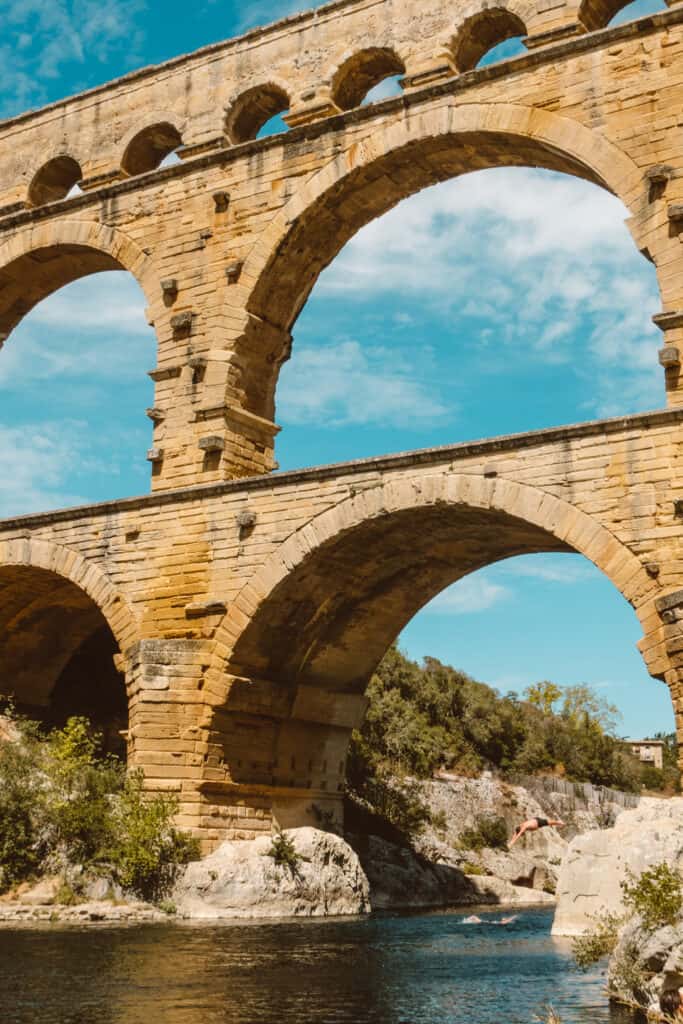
313, 873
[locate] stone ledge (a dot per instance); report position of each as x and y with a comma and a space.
419, 457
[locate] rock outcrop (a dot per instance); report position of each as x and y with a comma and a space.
241, 880
597, 862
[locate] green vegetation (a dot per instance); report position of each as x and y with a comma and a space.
283, 852
425, 717
491, 833
62, 805
656, 895
599, 942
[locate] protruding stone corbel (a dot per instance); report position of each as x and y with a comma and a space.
149, 316
155, 455
491, 470
212, 443
678, 507
181, 324
221, 201
246, 521
233, 271
675, 213
169, 287
204, 235
3, 338
652, 569
312, 105
197, 609
198, 366
668, 321
163, 373
155, 415
669, 356
660, 174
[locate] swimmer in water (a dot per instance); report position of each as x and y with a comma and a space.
473, 919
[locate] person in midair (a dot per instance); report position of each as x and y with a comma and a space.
533, 825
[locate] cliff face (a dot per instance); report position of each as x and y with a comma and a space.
598, 861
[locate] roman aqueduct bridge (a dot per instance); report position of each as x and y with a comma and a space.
246, 609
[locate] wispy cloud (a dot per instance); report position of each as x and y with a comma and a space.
476, 593
537, 263
43, 39
349, 383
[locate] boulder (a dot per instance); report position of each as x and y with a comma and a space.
241, 880
597, 862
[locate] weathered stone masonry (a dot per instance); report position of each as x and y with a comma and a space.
248, 610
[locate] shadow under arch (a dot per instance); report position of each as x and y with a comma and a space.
367, 180
41, 259
325, 607
61, 623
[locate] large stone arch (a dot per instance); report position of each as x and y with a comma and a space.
45, 256
555, 524
88, 577
366, 180
64, 628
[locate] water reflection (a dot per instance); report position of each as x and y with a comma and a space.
420, 969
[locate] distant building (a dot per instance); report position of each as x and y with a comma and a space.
648, 751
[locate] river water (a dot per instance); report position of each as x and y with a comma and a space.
416, 969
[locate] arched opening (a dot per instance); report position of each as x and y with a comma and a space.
636, 9
256, 113
54, 181
359, 80
73, 379
597, 14
56, 652
483, 33
316, 636
150, 147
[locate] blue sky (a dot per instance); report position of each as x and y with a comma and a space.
504, 301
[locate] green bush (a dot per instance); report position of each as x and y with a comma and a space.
61, 804
144, 849
283, 852
491, 833
599, 942
656, 896
472, 869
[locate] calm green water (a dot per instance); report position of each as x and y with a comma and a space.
421, 969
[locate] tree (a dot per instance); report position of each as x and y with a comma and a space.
543, 695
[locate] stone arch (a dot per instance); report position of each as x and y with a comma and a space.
54, 179
362, 71
248, 111
296, 594
364, 182
88, 577
597, 14
44, 257
64, 628
481, 32
143, 149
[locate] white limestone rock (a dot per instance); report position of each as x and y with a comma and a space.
240, 880
597, 862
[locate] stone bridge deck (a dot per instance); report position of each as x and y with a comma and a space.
248, 615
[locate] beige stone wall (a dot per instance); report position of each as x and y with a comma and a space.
228, 244
250, 614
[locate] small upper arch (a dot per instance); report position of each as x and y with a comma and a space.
145, 148
597, 14
249, 111
361, 72
54, 179
483, 31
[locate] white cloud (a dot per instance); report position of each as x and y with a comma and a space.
44, 38
347, 383
566, 569
540, 263
94, 328
476, 593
